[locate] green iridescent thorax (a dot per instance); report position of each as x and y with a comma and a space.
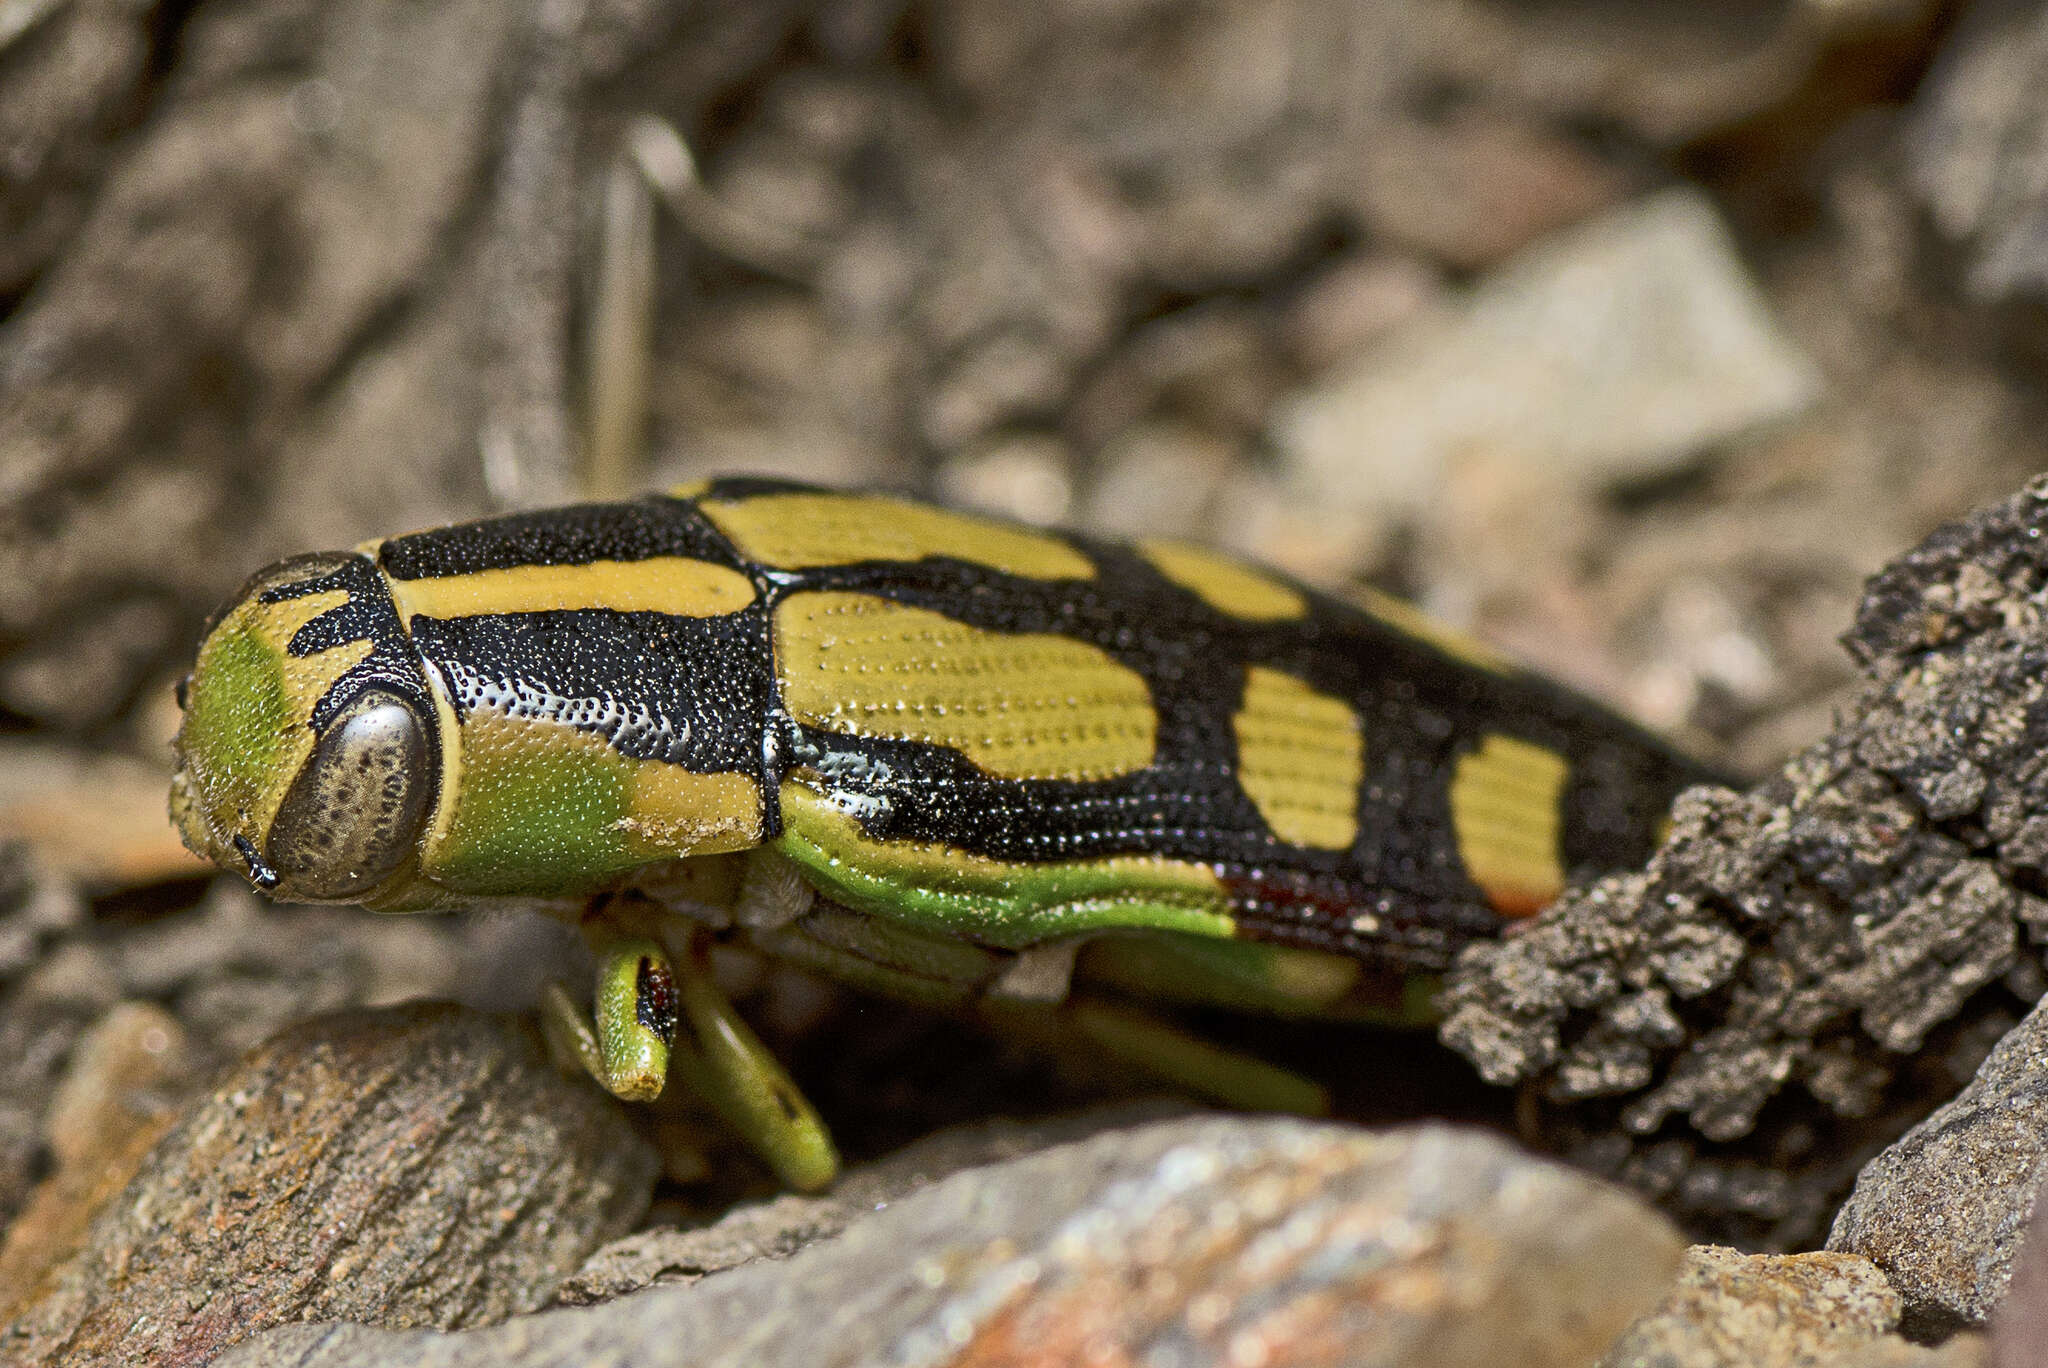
542, 809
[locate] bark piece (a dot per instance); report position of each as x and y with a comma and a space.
94, 817
1804, 971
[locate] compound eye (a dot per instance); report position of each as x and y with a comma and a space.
356, 808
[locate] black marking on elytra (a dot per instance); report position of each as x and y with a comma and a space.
655, 1001
580, 534
690, 691
1399, 892
702, 692
1391, 924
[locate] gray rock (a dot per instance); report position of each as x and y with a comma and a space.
1669, 72
1944, 1210
416, 1166
1616, 350
1181, 1243
1977, 149
1471, 189
119, 1093
353, 168
778, 1228
43, 1015
36, 907
238, 968
303, 193
37, 1034
1021, 476
61, 109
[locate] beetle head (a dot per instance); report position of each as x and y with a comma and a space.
306, 758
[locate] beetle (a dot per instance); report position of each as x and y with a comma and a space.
943, 756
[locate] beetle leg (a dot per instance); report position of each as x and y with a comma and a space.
883, 957
1228, 1076
572, 1041
1043, 973
772, 891
627, 1047
728, 1065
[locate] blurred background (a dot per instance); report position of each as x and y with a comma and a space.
1628, 334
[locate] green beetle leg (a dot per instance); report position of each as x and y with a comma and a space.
894, 961
1172, 1054
628, 1047
726, 1063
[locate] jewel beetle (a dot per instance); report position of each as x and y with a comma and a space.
938, 755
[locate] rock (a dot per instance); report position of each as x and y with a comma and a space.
1213, 367
1264, 521
1159, 480
118, 1078
1977, 150
1671, 73
296, 196
1023, 476
38, 1031
1204, 1240
1355, 302
1832, 943
2020, 1324
664, 1255
51, 989
233, 970
1958, 1351
72, 70
1761, 1310
1471, 189
117, 1098
416, 1166
353, 169
36, 907
1615, 351
1945, 1209
780, 1227
239, 968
